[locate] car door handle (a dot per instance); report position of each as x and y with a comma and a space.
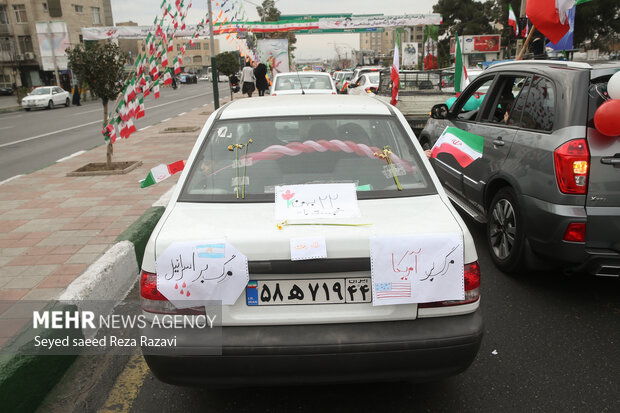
615, 161
498, 142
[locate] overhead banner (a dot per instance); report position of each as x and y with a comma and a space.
274, 54
313, 25
353, 22
53, 40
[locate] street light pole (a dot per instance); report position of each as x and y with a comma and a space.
214, 75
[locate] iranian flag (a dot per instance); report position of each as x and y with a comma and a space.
164, 60
177, 66
460, 72
394, 75
161, 172
167, 78
512, 20
549, 16
464, 146
156, 89
140, 109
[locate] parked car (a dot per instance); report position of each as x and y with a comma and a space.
367, 84
187, 78
46, 97
281, 328
6, 90
526, 159
302, 83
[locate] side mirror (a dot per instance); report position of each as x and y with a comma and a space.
439, 111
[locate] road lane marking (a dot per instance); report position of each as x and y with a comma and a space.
166, 120
11, 117
144, 128
82, 113
10, 179
181, 114
73, 155
6, 127
49, 133
92, 123
127, 386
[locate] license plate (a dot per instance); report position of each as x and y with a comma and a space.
322, 291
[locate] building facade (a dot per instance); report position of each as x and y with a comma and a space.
21, 62
376, 47
197, 58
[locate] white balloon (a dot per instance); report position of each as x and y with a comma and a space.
613, 86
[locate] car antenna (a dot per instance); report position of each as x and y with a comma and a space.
300, 84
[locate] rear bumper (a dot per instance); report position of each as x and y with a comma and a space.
422, 349
546, 224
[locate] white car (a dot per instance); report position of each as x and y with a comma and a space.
46, 97
367, 84
331, 242
302, 83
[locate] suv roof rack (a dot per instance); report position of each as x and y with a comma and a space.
576, 65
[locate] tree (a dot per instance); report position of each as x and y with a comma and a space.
100, 67
270, 13
465, 17
227, 63
597, 22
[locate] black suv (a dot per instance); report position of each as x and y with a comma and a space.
519, 151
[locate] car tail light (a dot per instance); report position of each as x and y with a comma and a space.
273, 94
154, 302
575, 232
571, 166
471, 276
368, 90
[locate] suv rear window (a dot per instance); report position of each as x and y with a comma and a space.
304, 150
539, 108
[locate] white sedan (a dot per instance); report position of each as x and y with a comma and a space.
367, 84
46, 97
319, 230
302, 83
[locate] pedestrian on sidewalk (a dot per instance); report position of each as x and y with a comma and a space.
76, 95
261, 81
247, 80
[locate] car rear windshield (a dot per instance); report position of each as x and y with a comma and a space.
296, 82
305, 150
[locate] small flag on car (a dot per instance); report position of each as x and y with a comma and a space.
161, 172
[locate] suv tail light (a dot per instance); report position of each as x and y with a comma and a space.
472, 288
571, 166
153, 301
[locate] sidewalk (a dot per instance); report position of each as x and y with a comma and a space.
53, 227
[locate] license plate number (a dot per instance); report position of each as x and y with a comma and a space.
322, 291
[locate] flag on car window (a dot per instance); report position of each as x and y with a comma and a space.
161, 172
464, 146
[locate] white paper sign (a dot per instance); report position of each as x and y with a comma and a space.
308, 248
417, 268
316, 201
190, 272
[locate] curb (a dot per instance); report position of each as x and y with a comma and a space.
25, 380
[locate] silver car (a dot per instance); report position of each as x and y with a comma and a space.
519, 151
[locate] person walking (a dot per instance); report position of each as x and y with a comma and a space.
260, 74
76, 95
247, 80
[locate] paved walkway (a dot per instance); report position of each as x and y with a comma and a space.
52, 227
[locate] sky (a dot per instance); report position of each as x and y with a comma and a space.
314, 46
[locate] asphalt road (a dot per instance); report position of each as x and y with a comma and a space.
33, 140
551, 344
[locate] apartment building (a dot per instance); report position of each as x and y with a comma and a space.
380, 44
21, 61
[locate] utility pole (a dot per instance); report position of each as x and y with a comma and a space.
214, 75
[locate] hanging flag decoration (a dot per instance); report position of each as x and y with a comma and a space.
460, 71
161, 172
512, 20
394, 75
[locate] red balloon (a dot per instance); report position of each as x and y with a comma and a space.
607, 118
